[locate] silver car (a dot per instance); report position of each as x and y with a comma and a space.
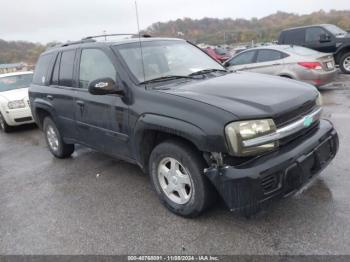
289, 61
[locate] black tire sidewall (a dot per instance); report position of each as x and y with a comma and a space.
6, 127
341, 63
190, 161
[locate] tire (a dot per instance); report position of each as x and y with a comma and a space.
196, 196
54, 140
344, 63
3, 125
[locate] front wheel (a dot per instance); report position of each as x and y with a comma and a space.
176, 171
54, 140
3, 125
345, 63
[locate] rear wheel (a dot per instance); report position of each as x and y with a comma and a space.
3, 125
176, 172
54, 140
344, 63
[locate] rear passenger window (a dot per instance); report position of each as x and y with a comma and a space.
94, 64
313, 34
41, 69
295, 36
66, 68
54, 80
268, 55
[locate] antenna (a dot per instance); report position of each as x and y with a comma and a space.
139, 33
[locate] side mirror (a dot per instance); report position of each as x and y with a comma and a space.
325, 38
104, 86
226, 64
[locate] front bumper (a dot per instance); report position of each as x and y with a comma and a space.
16, 117
276, 174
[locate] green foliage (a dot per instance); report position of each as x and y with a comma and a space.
219, 31
19, 51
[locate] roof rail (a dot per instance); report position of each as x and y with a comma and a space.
99, 36
107, 35
78, 42
70, 43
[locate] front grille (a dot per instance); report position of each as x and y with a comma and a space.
301, 133
291, 116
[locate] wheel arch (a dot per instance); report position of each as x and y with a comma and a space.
150, 130
42, 110
340, 52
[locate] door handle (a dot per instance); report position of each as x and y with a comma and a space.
50, 97
80, 103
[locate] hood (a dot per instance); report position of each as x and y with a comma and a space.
17, 94
343, 38
249, 95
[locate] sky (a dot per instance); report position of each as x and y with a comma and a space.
61, 20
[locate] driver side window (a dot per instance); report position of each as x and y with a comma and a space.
313, 34
94, 64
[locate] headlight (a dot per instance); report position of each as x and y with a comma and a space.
16, 104
319, 100
240, 131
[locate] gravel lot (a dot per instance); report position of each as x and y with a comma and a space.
51, 206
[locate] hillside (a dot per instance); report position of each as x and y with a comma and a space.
207, 30
19, 51
219, 31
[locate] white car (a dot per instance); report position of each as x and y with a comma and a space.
14, 101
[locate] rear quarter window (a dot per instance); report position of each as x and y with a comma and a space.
294, 36
41, 69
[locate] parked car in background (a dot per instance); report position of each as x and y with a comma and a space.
14, 101
324, 38
194, 127
294, 62
219, 54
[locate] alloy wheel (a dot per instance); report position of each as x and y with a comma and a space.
52, 138
346, 63
175, 180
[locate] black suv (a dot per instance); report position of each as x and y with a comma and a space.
324, 38
195, 127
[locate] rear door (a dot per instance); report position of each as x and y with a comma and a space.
268, 62
62, 92
101, 120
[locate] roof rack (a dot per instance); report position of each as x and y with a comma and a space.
70, 43
105, 36
78, 42
99, 36
90, 39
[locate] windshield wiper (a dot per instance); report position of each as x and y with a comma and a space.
165, 78
206, 71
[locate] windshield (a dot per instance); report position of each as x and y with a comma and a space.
299, 50
335, 30
15, 82
165, 58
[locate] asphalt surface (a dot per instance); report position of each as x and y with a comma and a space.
92, 204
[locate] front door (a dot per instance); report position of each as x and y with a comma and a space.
313, 40
102, 120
